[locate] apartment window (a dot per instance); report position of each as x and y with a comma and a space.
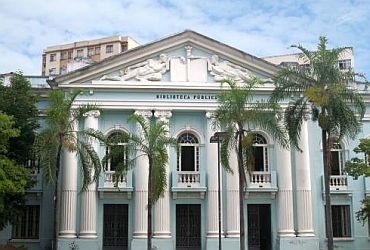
97, 50
109, 48
27, 224
90, 51
260, 153
344, 64
341, 221
53, 57
63, 70
63, 55
123, 47
52, 71
337, 161
120, 152
188, 155
80, 53
70, 55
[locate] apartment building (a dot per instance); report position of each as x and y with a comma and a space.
64, 58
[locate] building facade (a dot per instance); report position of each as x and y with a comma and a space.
64, 58
177, 80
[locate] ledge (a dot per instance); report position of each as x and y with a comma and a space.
24, 240
115, 192
344, 239
260, 192
188, 192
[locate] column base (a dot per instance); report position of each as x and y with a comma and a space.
67, 234
233, 234
162, 243
227, 243
88, 235
80, 244
139, 243
308, 233
214, 234
294, 243
162, 235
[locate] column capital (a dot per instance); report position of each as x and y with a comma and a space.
144, 113
163, 115
92, 113
210, 114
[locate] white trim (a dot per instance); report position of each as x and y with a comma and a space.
190, 130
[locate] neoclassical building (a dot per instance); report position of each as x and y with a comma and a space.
177, 80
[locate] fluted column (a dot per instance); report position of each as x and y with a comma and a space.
232, 198
141, 187
162, 210
303, 185
285, 194
212, 181
88, 197
69, 193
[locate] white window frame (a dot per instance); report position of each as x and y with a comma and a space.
346, 223
337, 147
109, 48
107, 167
22, 230
261, 141
189, 143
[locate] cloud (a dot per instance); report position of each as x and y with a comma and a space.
258, 27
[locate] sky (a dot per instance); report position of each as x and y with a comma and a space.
258, 27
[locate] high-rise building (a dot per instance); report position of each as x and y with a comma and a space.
64, 58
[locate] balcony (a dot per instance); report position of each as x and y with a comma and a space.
188, 184
113, 185
112, 180
188, 179
339, 184
261, 183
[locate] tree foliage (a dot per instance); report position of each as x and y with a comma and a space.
152, 143
14, 178
19, 100
321, 90
239, 112
360, 167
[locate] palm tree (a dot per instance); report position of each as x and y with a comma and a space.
336, 106
61, 134
239, 113
151, 143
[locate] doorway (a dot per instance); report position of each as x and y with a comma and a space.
259, 227
115, 227
188, 227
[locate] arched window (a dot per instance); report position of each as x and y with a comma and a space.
188, 155
261, 163
120, 150
337, 161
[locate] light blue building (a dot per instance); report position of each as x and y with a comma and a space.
177, 79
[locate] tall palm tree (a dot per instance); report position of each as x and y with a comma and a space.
240, 113
337, 107
152, 143
61, 134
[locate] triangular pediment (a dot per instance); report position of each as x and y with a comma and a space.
184, 57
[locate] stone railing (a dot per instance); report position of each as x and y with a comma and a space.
338, 182
188, 178
260, 178
111, 179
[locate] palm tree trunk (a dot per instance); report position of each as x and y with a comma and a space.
149, 229
327, 173
241, 190
55, 209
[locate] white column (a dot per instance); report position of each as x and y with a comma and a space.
88, 197
69, 193
212, 181
141, 187
162, 212
303, 185
232, 198
285, 194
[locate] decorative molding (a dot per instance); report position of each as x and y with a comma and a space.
222, 70
210, 114
144, 113
92, 113
163, 114
149, 70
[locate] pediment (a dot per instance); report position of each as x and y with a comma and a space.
184, 57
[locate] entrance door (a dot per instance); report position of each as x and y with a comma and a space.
115, 227
188, 227
259, 227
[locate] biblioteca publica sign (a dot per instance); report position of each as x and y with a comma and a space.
186, 96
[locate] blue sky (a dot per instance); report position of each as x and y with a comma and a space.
260, 27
